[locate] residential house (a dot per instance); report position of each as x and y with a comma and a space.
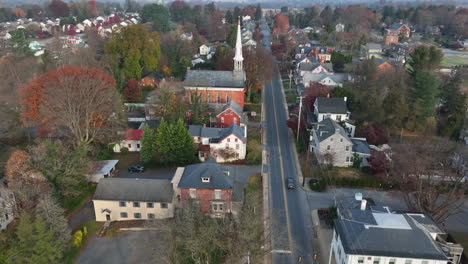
250, 43
204, 49
371, 234
323, 54
333, 108
384, 66
102, 169
131, 141
312, 67
186, 36
213, 186
339, 27
302, 60
223, 144
197, 61
331, 144
232, 113
120, 199
151, 79
371, 50
330, 80
302, 51
7, 206
399, 29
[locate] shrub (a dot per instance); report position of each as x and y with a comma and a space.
77, 238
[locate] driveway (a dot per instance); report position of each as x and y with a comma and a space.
130, 247
394, 199
161, 174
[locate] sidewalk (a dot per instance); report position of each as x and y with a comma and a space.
322, 239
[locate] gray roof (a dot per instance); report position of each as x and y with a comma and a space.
328, 127
360, 146
234, 107
396, 26
374, 46
144, 190
222, 79
206, 132
397, 235
217, 173
215, 133
331, 105
312, 66
339, 78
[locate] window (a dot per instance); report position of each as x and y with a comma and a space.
227, 145
228, 140
136, 204
222, 119
328, 147
137, 215
149, 205
218, 98
193, 193
163, 205
347, 148
122, 204
208, 98
331, 139
217, 194
341, 140
347, 159
392, 261
151, 216
376, 260
129, 146
237, 146
138, 145
235, 140
338, 117
227, 98
123, 215
6, 217
360, 260
218, 207
408, 261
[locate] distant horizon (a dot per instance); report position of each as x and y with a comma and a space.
276, 4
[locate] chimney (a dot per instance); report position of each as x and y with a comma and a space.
345, 99
363, 204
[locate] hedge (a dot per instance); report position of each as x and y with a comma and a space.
321, 184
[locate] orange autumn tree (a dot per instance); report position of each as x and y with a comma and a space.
17, 165
74, 101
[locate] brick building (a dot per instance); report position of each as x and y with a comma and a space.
212, 186
218, 87
231, 114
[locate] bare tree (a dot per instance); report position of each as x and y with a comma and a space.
422, 170
54, 215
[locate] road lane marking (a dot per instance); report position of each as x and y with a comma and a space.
281, 251
285, 198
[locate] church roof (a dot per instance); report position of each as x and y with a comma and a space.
221, 79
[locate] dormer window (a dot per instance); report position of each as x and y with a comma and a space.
226, 173
205, 179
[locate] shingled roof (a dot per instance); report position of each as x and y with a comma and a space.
331, 105
328, 127
221, 79
217, 134
220, 176
142, 190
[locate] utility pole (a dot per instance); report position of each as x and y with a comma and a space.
290, 79
299, 117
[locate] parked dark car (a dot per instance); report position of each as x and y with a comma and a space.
136, 168
291, 183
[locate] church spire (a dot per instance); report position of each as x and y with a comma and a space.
238, 56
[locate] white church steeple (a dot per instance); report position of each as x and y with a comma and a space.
238, 56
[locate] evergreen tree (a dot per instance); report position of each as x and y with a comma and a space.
35, 243
258, 12
158, 14
236, 14
454, 107
394, 119
229, 18
231, 36
425, 58
423, 96
19, 42
148, 144
174, 144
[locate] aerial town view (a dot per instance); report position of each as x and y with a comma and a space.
234, 131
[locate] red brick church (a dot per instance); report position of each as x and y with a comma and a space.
219, 87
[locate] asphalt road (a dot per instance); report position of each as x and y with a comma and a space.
289, 211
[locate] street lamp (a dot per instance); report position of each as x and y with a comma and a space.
299, 117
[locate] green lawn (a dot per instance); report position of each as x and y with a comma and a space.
291, 97
450, 61
254, 108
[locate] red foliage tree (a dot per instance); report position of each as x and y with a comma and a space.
71, 30
379, 162
92, 7
375, 134
132, 91
19, 12
74, 100
312, 92
281, 24
59, 8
